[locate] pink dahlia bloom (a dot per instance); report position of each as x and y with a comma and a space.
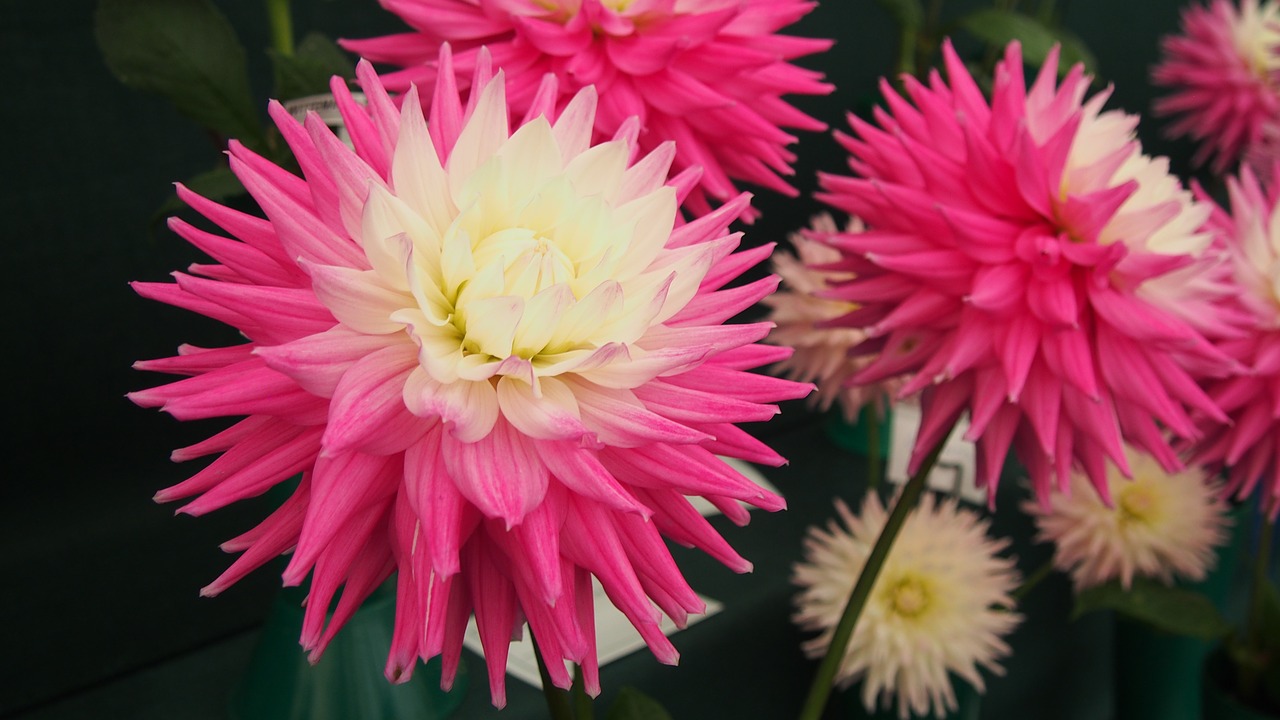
1223, 77
1250, 444
498, 368
709, 74
801, 312
1028, 264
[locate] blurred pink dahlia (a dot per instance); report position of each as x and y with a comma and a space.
709, 74
496, 365
1027, 263
800, 311
1250, 444
1223, 75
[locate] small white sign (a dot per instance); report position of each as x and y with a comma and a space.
326, 107
615, 637
956, 472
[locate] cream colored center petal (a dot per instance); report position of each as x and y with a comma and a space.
1138, 503
908, 596
542, 264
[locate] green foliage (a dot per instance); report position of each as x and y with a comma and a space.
907, 13
1171, 609
186, 51
635, 705
998, 28
308, 70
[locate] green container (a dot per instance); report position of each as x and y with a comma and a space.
348, 680
855, 437
1158, 674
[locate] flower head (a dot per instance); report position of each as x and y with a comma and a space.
1250, 444
1026, 263
1160, 525
1223, 74
498, 368
801, 311
939, 606
709, 74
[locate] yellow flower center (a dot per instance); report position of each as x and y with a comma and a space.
1138, 503
909, 597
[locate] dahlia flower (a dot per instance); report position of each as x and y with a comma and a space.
709, 74
1027, 263
1223, 77
1250, 445
498, 368
1159, 525
800, 311
939, 606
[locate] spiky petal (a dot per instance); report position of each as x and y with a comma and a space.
709, 74
1160, 525
497, 366
1026, 263
1250, 444
1223, 75
801, 310
940, 606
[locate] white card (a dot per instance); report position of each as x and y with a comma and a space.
615, 637
956, 472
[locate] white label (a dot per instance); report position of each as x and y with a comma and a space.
956, 472
615, 637
326, 107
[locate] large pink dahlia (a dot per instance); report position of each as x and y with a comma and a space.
498, 368
1026, 263
1223, 76
709, 74
1250, 445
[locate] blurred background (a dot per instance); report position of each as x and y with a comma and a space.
98, 584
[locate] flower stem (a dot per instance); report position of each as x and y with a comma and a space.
874, 473
820, 691
557, 699
1032, 580
281, 21
582, 709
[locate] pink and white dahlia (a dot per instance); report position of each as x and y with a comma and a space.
800, 311
1250, 444
1159, 525
709, 74
497, 366
1026, 263
1223, 75
939, 607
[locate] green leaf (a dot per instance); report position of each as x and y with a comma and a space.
1171, 609
908, 13
186, 51
1000, 27
635, 705
308, 70
216, 184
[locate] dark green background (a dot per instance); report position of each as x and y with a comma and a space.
97, 583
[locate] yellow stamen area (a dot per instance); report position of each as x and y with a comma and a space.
909, 596
1138, 503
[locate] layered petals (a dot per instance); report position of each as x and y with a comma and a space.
481, 340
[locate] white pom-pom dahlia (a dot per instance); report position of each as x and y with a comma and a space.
1160, 525
939, 606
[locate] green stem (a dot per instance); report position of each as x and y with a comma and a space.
281, 21
909, 36
820, 691
582, 708
557, 699
873, 420
1032, 580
